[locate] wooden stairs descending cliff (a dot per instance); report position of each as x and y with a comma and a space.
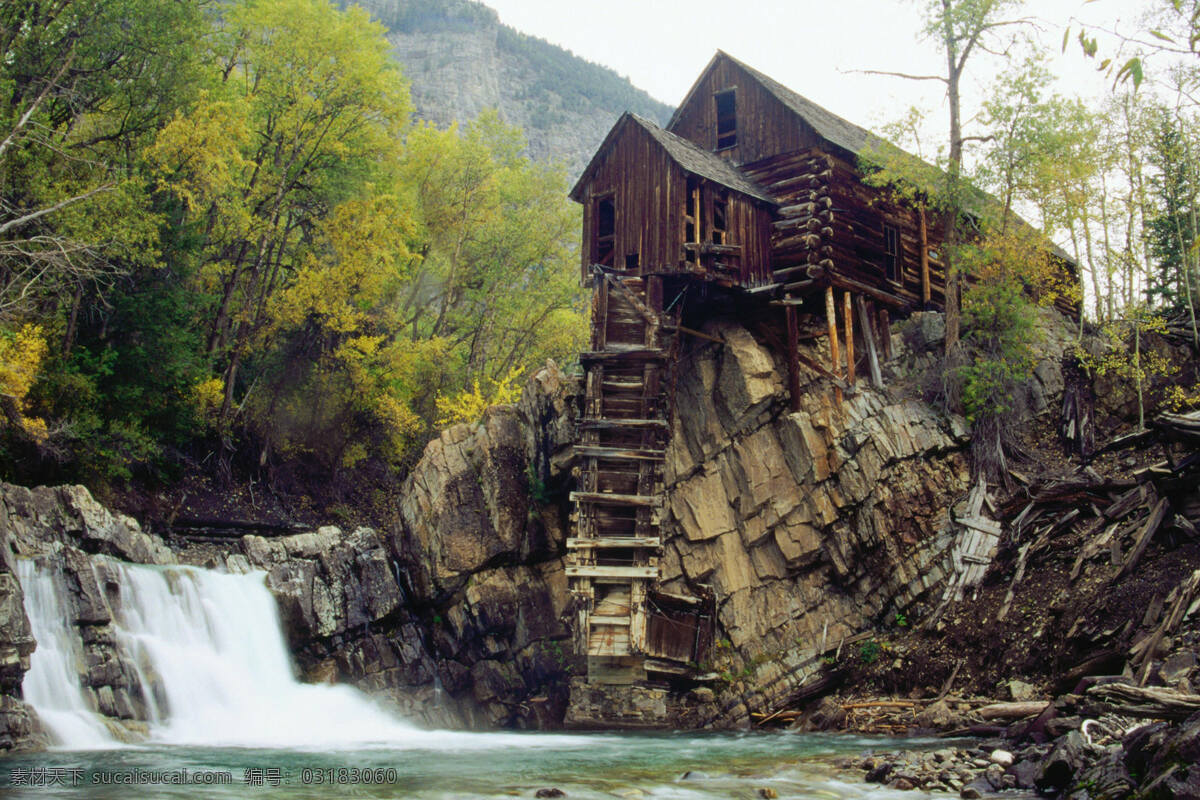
620, 444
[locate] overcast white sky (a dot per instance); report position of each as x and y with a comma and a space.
811, 46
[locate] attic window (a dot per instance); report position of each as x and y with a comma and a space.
726, 102
604, 243
891, 253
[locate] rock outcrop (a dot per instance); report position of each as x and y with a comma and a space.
481, 536
66, 526
806, 525
461, 60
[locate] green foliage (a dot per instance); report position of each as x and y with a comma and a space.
869, 651
998, 325
900, 620
254, 249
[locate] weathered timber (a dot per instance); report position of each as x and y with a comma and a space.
1138, 701
608, 571
848, 324
793, 357
1017, 710
864, 322
1139, 547
630, 454
834, 355
611, 542
630, 354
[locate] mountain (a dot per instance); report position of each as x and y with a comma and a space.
462, 60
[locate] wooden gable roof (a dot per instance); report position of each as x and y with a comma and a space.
687, 155
824, 123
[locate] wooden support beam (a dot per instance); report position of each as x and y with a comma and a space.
609, 542
848, 325
632, 354
631, 454
610, 498
885, 333
835, 355
925, 290
887, 298
597, 571
600, 318
864, 321
617, 424
793, 352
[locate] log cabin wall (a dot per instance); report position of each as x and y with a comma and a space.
764, 126
828, 217
648, 191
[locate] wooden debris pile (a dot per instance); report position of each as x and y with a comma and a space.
1116, 519
882, 717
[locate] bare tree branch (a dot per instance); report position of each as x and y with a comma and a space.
61, 204
901, 75
33, 107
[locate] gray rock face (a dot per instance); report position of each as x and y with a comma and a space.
466, 62
66, 525
481, 537
805, 524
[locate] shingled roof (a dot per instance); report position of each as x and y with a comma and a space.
687, 155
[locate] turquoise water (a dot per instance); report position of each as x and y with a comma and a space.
462, 765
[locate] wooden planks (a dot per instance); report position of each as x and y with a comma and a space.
621, 445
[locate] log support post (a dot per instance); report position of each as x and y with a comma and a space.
848, 323
835, 356
793, 356
885, 333
925, 290
864, 321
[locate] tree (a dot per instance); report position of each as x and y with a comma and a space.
83, 83
960, 27
306, 114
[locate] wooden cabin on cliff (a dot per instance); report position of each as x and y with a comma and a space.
752, 195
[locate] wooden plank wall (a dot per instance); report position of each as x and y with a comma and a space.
649, 191
765, 126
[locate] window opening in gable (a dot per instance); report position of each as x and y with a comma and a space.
891, 253
604, 245
726, 118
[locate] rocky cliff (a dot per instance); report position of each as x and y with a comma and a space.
807, 527
461, 60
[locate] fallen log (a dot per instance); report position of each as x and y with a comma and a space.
1015, 710
1139, 701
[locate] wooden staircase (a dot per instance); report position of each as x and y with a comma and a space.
620, 443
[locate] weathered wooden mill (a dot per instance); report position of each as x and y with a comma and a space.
751, 199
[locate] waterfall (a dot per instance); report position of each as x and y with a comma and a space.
211, 659
52, 683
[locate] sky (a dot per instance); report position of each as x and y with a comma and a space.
818, 48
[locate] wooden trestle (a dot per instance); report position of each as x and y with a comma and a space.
620, 445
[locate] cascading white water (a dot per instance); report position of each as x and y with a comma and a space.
52, 683
213, 644
210, 654
214, 669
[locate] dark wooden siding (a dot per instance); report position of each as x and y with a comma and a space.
765, 127
648, 190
